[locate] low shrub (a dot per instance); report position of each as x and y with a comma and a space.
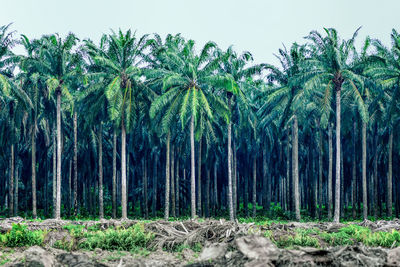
128, 239
20, 236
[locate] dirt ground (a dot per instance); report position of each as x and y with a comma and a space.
223, 244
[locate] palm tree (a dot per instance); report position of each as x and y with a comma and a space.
57, 65
280, 104
187, 79
386, 71
328, 69
118, 64
14, 101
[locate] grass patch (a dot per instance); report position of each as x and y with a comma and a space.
348, 235
129, 239
20, 236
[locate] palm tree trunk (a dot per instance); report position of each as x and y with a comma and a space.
16, 191
320, 171
234, 178
354, 172
254, 200
215, 188
295, 165
267, 198
101, 206
230, 199
192, 171
375, 190
167, 178
11, 183
337, 175
145, 204
177, 184
154, 203
69, 189
54, 173
389, 177
33, 142
199, 199
75, 163
58, 198
123, 173
114, 176
173, 206
207, 204
330, 172
289, 182
364, 170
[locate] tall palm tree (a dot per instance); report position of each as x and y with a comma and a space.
57, 64
280, 104
237, 66
187, 79
328, 69
119, 65
386, 71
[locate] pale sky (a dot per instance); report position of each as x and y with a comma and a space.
260, 27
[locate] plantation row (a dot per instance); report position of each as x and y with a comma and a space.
142, 126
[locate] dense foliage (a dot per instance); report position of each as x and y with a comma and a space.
140, 126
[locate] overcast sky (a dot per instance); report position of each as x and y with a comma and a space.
260, 27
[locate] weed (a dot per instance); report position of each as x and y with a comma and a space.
20, 236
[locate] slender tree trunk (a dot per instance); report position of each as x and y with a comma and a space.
207, 206
167, 178
215, 188
254, 186
230, 197
192, 171
58, 200
337, 176
101, 205
330, 170
295, 165
114, 176
154, 203
69, 189
376, 174
16, 191
146, 207
389, 177
173, 199
123, 173
54, 172
315, 180
11, 183
234, 178
75, 163
341, 182
199, 199
364, 170
290, 183
267, 197
354, 173
177, 185
33, 142
320, 171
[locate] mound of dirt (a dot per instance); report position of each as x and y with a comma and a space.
255, 250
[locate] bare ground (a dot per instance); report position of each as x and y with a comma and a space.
224, 244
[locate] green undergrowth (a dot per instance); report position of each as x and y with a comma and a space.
137, 240
133, 238
349, 235
20, 236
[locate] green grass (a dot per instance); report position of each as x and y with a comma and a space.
129, 239
348, 235
20, 236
